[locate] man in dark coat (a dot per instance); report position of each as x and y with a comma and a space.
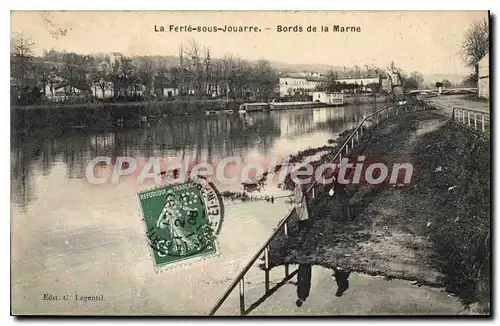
303, 283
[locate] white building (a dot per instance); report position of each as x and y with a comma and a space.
63, 92
302, 85
328, 98
483, 81
170, 92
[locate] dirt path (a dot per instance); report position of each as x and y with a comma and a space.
379, 241
392, 233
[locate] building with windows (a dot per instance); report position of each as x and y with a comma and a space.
483, 77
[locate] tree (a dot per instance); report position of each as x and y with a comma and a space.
418, 77
375, 87
439, 84
103, 77
413, 81
127, 77
21, 52
145, 73
331, 80
475, 44
446, 83
470, 81
195, 67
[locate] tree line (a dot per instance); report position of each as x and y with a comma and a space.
193, 73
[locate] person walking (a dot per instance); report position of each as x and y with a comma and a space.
343, 200
301, 207
339, 195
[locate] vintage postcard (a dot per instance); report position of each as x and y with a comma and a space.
250, 163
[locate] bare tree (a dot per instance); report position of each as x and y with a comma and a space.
145, 73
195, 67
475, 43
103, 77
21, 51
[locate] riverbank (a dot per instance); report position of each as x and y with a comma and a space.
164, 104
365, 99
434, 231
215, 105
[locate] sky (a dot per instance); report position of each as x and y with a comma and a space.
425, 41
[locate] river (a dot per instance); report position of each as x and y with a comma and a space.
72, 238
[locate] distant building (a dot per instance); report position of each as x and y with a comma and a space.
386, 85
64, 91
170, 92
396, 79
483, 78
359, 81
115, 58
362, 82
290, 85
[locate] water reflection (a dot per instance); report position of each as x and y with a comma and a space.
206, 138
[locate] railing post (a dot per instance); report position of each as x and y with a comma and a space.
468, 119
482, 120
242, 296
475, 120
266, 271
285, 228
397, 110
453, 114
287, 271
352, 142
463, 116
357, 134
346, 149
387, 113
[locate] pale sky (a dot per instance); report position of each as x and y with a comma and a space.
426, 41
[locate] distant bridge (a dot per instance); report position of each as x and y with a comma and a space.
446, 91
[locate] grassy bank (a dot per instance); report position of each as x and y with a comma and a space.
458, 180
365, 99
434, 231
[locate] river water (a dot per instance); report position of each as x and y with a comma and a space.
72, 238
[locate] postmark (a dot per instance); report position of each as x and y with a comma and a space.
182, 222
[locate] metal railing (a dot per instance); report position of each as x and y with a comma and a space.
473, 119
368, 122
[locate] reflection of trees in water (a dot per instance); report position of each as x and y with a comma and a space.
206, 138
22, 190
299, 122
202, 138
37, 153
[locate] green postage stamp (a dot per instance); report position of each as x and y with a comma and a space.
182, 222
